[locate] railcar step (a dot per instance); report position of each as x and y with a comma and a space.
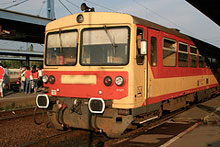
149, 119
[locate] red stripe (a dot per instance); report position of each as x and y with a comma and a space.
160, 98
98, 90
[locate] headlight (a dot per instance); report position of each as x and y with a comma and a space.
119, 81
45, 78
79, 18
108, 81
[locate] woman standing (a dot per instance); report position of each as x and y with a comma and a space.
40, 75
35, 78
2, 72
23, 79
28, 75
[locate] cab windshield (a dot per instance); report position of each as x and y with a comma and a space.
61, 48
105, 46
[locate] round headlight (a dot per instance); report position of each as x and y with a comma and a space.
45, 78
79, 18
51, 79
119, 81
108, 81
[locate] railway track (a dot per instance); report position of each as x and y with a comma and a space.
42, 141
142, 128
71, 138
16, 114
86, 138
171, 126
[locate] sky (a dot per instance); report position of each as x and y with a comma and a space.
170, 13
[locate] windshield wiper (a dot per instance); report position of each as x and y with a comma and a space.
112, 39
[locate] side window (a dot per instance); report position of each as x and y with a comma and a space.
169, 52
139, 37
214, 62
153, 51
183, 55
201, 61
208, 61
193, 56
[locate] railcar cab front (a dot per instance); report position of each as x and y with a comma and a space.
103, 70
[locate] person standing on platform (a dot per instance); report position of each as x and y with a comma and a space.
6, 78
40, 75
35, 78
28, 75
23, 79
2, 72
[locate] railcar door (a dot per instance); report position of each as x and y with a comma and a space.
141, 71
153, 44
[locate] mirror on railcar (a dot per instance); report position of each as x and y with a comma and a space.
143, 47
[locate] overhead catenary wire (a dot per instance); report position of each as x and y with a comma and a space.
65, 6
147, 9
73, 4
177, 25
12, 1
19, 2
14, 5
100, 6
42, 5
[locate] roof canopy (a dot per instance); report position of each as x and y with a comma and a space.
209, 8
22, 27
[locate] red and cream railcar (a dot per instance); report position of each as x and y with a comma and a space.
106, 71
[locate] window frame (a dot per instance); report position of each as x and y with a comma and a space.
195, 54
57, 32
151, 63
183, 52
110, 27
169, 50
204, 64
139, 58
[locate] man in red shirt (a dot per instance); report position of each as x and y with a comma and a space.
35, 78
28, 75
2, 72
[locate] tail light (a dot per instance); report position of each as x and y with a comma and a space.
108, 81
51, 79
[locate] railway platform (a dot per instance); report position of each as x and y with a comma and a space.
205, 134
15, 100
196, 127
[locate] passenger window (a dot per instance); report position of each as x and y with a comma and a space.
140, 36
169, 52
193, 56
183, 55
201, 61
153, 53
208, 61
214, 62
